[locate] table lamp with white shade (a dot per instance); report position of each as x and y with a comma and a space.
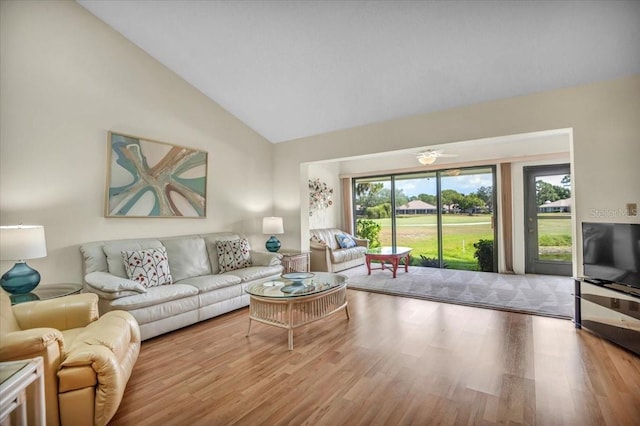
21, 243
272, 226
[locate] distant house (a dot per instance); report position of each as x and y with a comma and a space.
559, 206
416, 207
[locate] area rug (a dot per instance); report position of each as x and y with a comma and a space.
546, 295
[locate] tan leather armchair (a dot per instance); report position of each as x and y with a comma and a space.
87, 360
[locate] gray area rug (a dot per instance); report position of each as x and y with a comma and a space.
546, 295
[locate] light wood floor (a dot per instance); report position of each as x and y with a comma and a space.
397, 361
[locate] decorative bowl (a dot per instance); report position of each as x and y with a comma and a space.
296, 279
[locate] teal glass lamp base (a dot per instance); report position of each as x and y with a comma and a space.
273, 244
20, 279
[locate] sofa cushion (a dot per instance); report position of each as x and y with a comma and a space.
206, 283
233, 255
344, 255
187, 257
345, 241
255, 272
113, 250
148, 267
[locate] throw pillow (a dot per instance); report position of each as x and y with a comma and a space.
345, 241
318, 240
233, 254
148, 267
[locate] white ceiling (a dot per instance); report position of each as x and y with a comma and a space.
291, 69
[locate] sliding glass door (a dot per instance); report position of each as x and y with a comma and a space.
446, 216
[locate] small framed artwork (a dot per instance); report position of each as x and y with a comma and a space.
147, 178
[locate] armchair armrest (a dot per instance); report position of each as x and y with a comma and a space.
74, 311
264, 258
44, 342
104, 354
31, 343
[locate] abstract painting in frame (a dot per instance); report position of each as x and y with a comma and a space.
148, 178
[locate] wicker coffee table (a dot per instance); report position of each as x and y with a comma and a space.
315, 298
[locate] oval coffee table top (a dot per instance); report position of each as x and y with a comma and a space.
389, 250
320, 282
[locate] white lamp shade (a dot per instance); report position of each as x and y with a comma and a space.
272, 225
22, 242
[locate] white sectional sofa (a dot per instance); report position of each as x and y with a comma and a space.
199, 290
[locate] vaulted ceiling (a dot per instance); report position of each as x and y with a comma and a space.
291, 69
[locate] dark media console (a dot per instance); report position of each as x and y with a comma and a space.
611, 310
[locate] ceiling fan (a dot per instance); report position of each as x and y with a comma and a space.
430, 155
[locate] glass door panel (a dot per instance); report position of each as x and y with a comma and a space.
372, 207
548, 232
416, 208
467, 200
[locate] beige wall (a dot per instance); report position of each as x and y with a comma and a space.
606, 141
330, 217
66, 79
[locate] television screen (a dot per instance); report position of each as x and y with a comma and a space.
611, 252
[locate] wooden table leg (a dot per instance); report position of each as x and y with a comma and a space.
406, 263
394, 265
368, 259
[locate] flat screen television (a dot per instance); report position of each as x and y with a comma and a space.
611, 253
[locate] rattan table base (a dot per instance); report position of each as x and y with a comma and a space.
293, 312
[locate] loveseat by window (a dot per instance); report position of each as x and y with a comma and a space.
328, 256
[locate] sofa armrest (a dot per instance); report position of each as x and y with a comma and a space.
105, 282
265, 258
361, 241
63, 313
317, 246
320, 257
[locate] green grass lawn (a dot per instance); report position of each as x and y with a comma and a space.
461, 231
554, 236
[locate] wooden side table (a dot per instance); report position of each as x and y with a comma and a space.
46, 291
15, 378
294, 261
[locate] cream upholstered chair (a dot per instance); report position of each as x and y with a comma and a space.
328, 256
87, 360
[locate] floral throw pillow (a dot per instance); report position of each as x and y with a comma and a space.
148, 267
345, 241
233, 254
